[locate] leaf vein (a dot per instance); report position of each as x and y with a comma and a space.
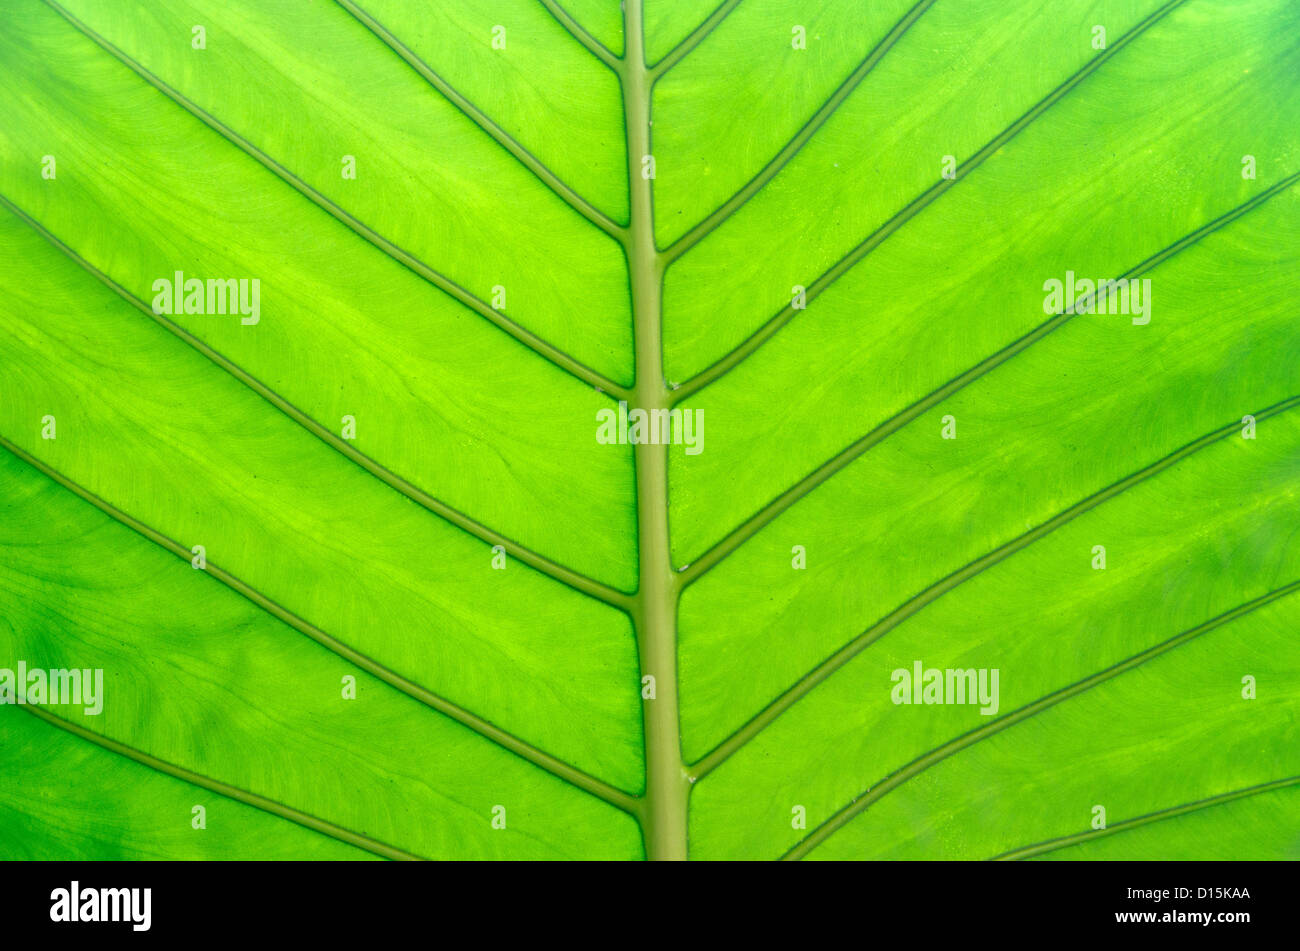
552, 569
924, 762
937, 590
692, 40
579, 33
479, 118
484, 728
747, 529
1051, 845
256, 801
520, 333
774, 324
796, 144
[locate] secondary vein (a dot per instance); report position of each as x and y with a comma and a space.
579, 33
479, 118
751, 526
265, 804
774, 324
792, 148
687, 45
521, 334
484, 728
924, 762
1051, 845
914, 604
552, 569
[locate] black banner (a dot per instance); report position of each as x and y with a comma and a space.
1219, 901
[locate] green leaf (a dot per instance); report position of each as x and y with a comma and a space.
433, 616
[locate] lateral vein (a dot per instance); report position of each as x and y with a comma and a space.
265, 804
479, 118
484, 728
1051, 845
445, 284
579, 33
911, 606
793, 147
774, 324
924, 762
557, 572
688, 45
751, 526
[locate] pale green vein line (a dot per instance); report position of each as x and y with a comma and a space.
521, 334
696, 37
907, 609
764, 333
479, 118
750, 527
579, 33
252, 799
1063, 842
792, 148
664, 819
556, 767
922, 763
557, 572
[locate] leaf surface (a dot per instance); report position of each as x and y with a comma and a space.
567, 649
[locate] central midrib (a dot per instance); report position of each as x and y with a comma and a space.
654, 609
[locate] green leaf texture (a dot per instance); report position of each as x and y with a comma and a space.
827, 229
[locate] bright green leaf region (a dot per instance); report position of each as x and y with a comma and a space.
549, 429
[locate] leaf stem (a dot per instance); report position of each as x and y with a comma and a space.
654, 612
